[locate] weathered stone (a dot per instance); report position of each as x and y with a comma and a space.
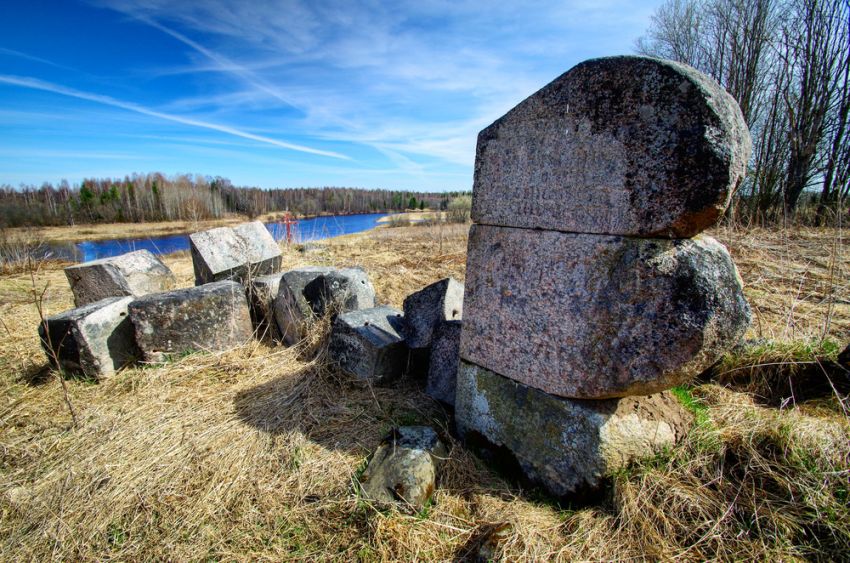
340, 291
211, 318
96, 339
445, 355
426, 309
134, 273
592, 316
262, 292
565, 445
621, 145
368, 344
291, 309
234, 253
404, 467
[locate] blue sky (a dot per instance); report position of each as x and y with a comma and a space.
281, 93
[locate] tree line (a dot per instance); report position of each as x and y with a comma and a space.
786, 62
157, 197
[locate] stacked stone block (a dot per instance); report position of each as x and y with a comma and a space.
590, 290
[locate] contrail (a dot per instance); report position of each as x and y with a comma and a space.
36, 84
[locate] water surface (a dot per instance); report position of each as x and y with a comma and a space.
306, 230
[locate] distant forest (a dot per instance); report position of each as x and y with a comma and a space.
156, 197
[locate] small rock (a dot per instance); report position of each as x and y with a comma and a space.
593, 316
340, 291
262, 292
234, 253
445, 356
368, 344
426, 309
134, 273
211, 317
565, 445
404, 467
630, 145
291, 308
96, 339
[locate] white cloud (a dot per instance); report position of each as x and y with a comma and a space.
36, 84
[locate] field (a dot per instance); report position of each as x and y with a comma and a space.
253, 454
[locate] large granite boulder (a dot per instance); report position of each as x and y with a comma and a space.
568, 446
429, 307
133, 273
592, 316
404, 467
234, 253
443, 363
96, 339
262, 292
292, 311
210, 318
340, 291
368, 345
623, 145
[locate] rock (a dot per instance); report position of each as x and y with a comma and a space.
426, 309
368, 344
96, 339
340, 291
592, 316
134, 273
234, 253
291, 309
211, 318
404, 467
622, 145
445, 355
568, 446
844, 357
262, 292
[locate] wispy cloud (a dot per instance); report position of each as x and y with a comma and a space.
34, 83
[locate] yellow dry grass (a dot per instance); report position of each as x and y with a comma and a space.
252, 454
106, 231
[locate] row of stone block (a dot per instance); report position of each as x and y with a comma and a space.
101, 337
239, 253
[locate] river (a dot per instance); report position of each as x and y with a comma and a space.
306, 230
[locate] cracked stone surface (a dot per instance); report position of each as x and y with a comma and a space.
96, 339
565, 445
209, 318
621, 145
592, 316
133, 273
235, 253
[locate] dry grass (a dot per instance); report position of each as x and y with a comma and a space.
251, 454
106, 231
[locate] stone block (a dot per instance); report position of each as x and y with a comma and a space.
292, 311
211, 318
622, 145
133, 273
368, 345
234, 253
445, 356
262, 292
568, 446
340, 291
429, 307
593, 316
404, 467
96, 339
